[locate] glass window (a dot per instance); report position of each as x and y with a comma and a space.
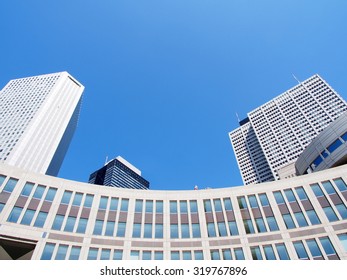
173, 231
147, 255
317, 190
2, 205
279, 197
103, 203
39, 191
183, 207
222, 229
193, 206
48, 251
329, 212
88, 200
233, 228
70, 224
242, 202
342, 210
82, 225
93, 254
300, 250
314, 249
159, 230
299, 216
215, 255
159, 206
248, 226
271, 221
196, 231
269, 252
290, 195
75, 253
227, 204
253, 201
341, 185
137, 230
109, 228
185, 233
28, 187
105, 254
317, 161
124, 205
2, 179
61, 253
312, 215
282, 252
138, 205
328, 187
158, 255
50, 194
207, 206
217, 205
134, 255
28, 216
301, 193
148, 231
260, 225
239, 254
66, 197
263, 199
327, 246
114, 204
58, 221
198, 255
14, 215
10, 185
98, 227
121, 229
173, 207
149, 206
77, 199
344, 136
333, 146
256, 254
187, 255
343, 240
288, 220
226, 254
175, 255
211, 231
118, 255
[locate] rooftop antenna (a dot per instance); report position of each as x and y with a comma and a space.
296, 79
106, 160
237, 116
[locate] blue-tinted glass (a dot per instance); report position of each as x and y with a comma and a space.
70, 224
263, 199
82, 225
50, 194
175, 255
121, 229
2, 205
105, 254
329, 212
269, 252
211, 230
226, 254
187, 255
47, 251
77, 199
137, 230
183, 207
325, 153
233, 228
207, 206
239, 255
314, 249
327, 246
342, 210
317, 190
61, 253
344, 136
75, 253
39, 191
300, 250
193, 206
134, 255
173, 231
198, 255
215, 255
98, 227
312, 215
333, 146
103, 203
256, 254
159, 206
279, 197
66, 197
341, 185
28, 216
159, 231
196, 231
271, 221
109, 228
93, 254
260, 225
58, 221
248, 226
299, 216
222, 229
28, 187
328, 187
14, 215
117, 254
147, 231
242, 202
147, 255
343, 240
2, 179
217, 205
149, 206
114, 204
173, 207
185, 231
138, 205
158, 255
301, 193
124, 205
88, 200
253, 201
227, 204
10, 185
282, 252
317, 161
288, 220
290, 195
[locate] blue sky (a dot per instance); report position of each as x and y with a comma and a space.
164, 79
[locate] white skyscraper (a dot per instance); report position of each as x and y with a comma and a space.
275, 134
38, 116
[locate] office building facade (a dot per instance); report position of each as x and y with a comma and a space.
119, 173
283, 128
38, 116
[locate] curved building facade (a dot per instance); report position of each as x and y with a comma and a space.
44, 217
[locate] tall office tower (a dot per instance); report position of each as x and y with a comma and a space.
282, 128
119, 173
38, 116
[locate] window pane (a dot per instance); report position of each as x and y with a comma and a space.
134, 255
159, 231
159, 206
47, 251
233, 228
196, 230
239, 254
185, 231
211, 231
290, 195
14, 215
114, 204
121, 229
271, 221
58, 221
343, 240
183, 207
248, 226
317, 190
328, 187
117, 254
300, 250
103, 203
187, 255
333, 146
253, 201
301, 193
148, 231
341, 185
98, 227
175, 255
217, 205
137, 230
227, 204
39, 192
2, 205
342, 210
193, 206
282, 252
28, 216
93, 254
70, 224
222, 229
260, 225
158, 255
198, 255
10, 185
77, 199
327, 246
66, 197
314, 249
288, 220
299, 216
269, 252
207, 206
264, 200
105, 254
109, 228
147, 255
329, 212
61, 253
226, 254
279, 197
215, 255
82, 225
75, 253
88, 200
256, 254
50, 194
312, 215
149, 206
173, 207
27, 189
242, 202
173, 231
2, 179
124, 205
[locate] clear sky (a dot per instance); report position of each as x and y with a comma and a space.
164, 79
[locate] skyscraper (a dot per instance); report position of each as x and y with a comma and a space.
38, 116
273, 135
119, 173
